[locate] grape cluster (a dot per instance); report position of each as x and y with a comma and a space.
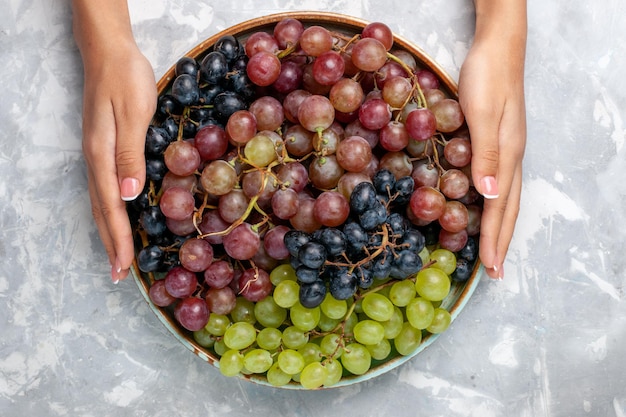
308, 203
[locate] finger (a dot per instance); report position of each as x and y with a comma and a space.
509, 219
110, 211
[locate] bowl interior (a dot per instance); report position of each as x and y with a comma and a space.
459, 293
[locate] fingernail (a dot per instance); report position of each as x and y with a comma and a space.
115, 272
129, 189
489, 187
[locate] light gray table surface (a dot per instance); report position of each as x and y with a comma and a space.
548, 340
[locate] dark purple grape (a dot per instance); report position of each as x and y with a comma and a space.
228, 45
414, 241
152, 220
384, 182
185, 89
294, 239
364, 276
187, 65
167, 105
334, 240
355, 235
312, 255
343, 284
214, 67
398, 224
469, 251
406, 264
155, 169
157, 140
312, 294
227, 103
463, 270
403, 190
363, 197
208, 93
150, 258
307, 275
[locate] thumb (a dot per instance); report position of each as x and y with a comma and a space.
129, 157
485, 152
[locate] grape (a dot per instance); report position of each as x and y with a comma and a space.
185, 89
220, 300
242, 242
346, 95
448, 115
290, 361
276, 377
268, 112
421, 124
196, 254
192, 313
328, 68
260, 150
441, 321
218, 177
420, 313
286, 293
177, 203
285, 203
433, 284
294, 338
159, 295
325, 172
304, 318
458, 152
331, 208
263, 68
260, 42
334, 372
217, 324
356, 359
152, 220
369, 54
315, 40
444, 260
427, 203
402, 292
257, 361
243, 311
269, 338
408, 339
427, 80
313, 375
369, 332
231, 362
214, 67
316, 113
180, 282
354, 154
312, 294
268, 313
454, 184
374, 114
377, 307
239, 335
150, 258
455, 217
255, 284
394, 136
241, 126
181, 158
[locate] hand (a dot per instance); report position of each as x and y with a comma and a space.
491, 94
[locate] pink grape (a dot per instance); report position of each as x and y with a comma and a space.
263, 68
192, 313
315, 40
421, 124
316, 113
241, 126
328, 68
255, 285
448, 115
346, 95
212, 223
242, 242
177, 203
260, 42
180, 282
394, 136
380, 31
287, 32
159, 295
354, 154
268, 112
458, 152
285, 203
182, 158
219, 274
331, 208
196, 254
427, 203
369, 54
455, 217
274, 242
374, 114
218, 177
220, 300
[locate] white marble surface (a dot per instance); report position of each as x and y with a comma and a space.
549, 340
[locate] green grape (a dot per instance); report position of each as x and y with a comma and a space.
276, 377
311, 352
257, 361
420, 312
313, 375
333, 308
294, 338
348, 326
281, 273
369, 332
334, 372
394, 324
330, 345
444, 260
432, 284
268, 313
260, 151
327, 324
269, 338
231, 363
381, 350
204, 338
286, 293
377, 306
290, 361
243, 311
358, 306
305, 319
402, 292
220, 347
424, 255
356, 359
217, 324
408, 340
239, 335
441, 321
